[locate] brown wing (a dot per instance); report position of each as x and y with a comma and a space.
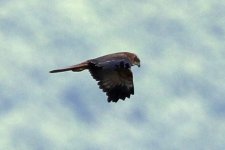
116, 79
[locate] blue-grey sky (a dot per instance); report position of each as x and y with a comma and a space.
179, 100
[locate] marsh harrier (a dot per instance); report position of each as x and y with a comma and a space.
113, 73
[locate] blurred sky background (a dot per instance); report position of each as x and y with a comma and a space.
179, 100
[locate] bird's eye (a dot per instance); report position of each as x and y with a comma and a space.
136, 59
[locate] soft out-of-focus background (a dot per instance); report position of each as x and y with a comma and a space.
179, 100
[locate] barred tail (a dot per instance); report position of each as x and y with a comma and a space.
75, 68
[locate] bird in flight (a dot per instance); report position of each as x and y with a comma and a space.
113, 73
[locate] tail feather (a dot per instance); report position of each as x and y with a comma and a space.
75, 68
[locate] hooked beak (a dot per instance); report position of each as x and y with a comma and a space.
138, 64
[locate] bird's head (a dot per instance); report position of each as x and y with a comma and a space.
135, 60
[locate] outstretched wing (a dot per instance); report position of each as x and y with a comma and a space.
114, 76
